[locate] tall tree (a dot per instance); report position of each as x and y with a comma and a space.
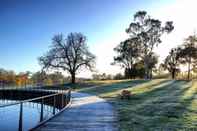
188, 52
136, 72
128, 54
153, 60
70, 54
148, 31
171, 62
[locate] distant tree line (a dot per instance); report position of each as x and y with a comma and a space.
104, 76
42, 78
10, 78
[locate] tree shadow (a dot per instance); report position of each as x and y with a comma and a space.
162, 108
112, 90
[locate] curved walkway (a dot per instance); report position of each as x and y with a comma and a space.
86, 113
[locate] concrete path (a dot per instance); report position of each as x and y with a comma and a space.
86, 113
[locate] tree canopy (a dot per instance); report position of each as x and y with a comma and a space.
148, 32
69, 54
171, 62
188, 53
145, 33
128, 53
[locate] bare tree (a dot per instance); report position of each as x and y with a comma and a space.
70, 54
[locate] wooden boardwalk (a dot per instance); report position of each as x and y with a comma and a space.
86, 113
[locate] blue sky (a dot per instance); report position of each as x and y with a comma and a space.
27, 26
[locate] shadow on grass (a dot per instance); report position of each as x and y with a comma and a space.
160, 108
168, 105
103, 90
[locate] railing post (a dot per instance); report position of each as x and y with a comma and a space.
20, 126
62, 100
66, 99
54, 103
69, 95
41, 112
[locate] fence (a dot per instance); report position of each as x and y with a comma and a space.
56, 101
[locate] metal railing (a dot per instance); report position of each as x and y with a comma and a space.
58, 100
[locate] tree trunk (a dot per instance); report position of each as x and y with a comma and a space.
188, 75
150, 74
173, 74
73, 78
146, 69
130, 74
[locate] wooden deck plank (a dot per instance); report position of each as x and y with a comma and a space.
86, 113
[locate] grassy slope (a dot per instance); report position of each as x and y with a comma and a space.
155, 105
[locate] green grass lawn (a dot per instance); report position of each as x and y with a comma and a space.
166, 105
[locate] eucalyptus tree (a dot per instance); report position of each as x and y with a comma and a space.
70, 54
171, 62
188, 53
128, 54
148, 31
153, 60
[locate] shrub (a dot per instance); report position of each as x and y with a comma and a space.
125, 94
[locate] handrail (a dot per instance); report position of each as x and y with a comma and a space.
59, 101
29, 100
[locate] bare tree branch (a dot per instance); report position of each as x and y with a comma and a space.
69, 54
